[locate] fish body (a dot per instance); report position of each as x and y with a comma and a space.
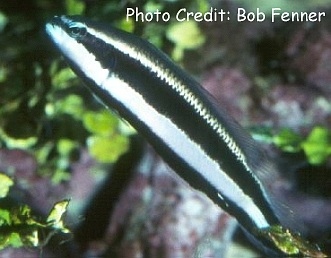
180, 119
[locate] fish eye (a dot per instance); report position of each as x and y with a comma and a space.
77, 30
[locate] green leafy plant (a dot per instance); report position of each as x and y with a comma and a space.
316, 146
5, 184
107, 142
18, 226
185, 35
74, 7
289, 242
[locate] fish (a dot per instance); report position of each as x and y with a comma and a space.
195, 135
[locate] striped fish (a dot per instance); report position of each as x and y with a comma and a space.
193, 134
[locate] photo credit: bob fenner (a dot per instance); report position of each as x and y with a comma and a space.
219, 15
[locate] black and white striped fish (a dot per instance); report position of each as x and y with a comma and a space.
196, 137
